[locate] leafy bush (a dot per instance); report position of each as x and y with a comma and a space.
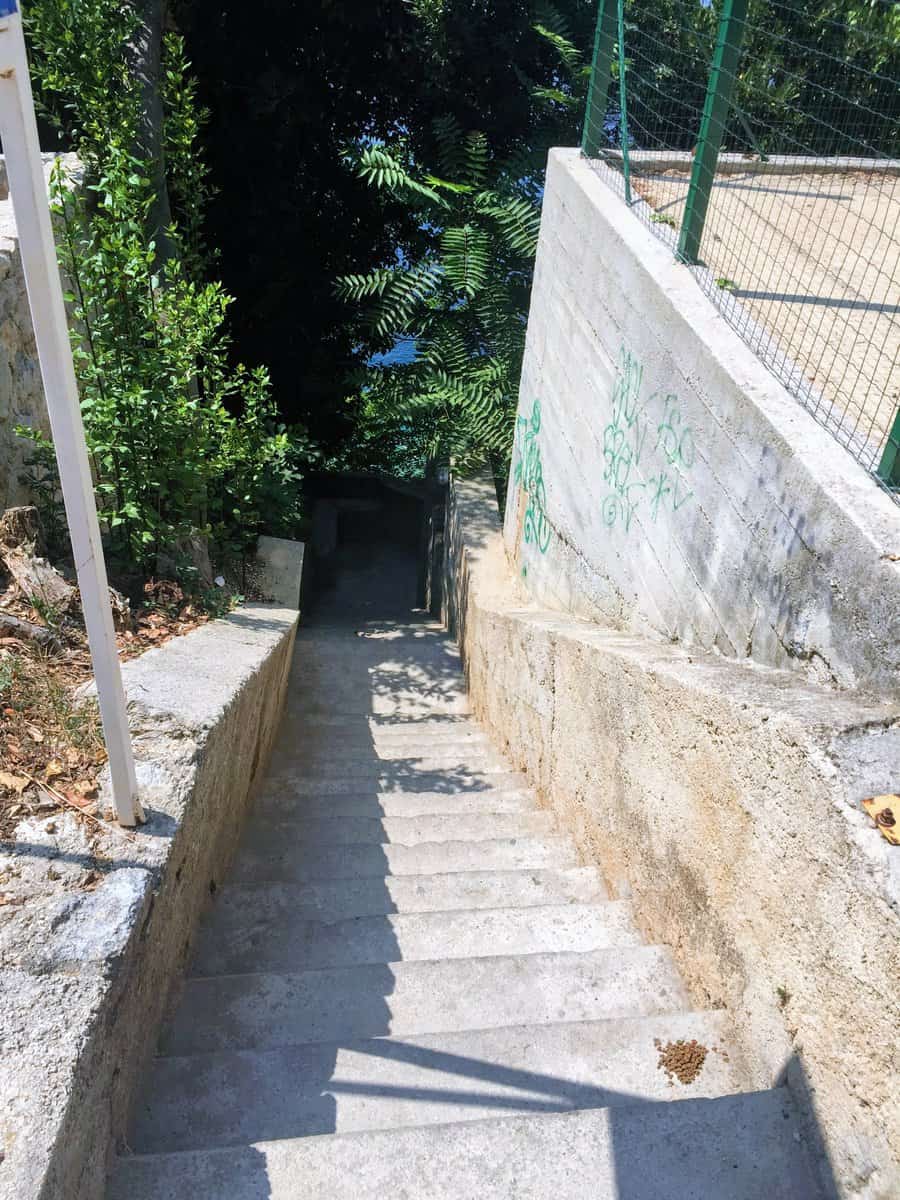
181, 442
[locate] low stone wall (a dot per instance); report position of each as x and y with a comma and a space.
724, 798
85, 973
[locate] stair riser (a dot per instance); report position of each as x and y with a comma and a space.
304, 862
466, 738
459, 780
735, 1148
394, 775
238, 908
409, 705
348, 762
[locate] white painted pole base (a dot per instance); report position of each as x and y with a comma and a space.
28, 191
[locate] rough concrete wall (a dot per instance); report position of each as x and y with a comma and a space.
665, 484
204, 710
723, 797
21, 389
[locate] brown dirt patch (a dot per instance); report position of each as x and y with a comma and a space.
681, 1060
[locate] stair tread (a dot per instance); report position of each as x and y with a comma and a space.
403, 831
413, 937
275, 801
403, 779
229, 1097
268, 1010
295, 764
732, 1148
304, 860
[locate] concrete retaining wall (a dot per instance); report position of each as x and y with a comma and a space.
21, 389
83, 999
665, 484
724, 798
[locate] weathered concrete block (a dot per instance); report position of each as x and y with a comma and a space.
280, 563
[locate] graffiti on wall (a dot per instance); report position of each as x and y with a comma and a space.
528, 474
648, 450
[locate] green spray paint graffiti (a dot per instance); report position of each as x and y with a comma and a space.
529, 475
627, 452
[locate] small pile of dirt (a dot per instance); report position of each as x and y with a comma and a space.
681, 1060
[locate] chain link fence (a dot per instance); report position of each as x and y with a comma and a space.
761, 140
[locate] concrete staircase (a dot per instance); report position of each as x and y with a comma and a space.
410, 986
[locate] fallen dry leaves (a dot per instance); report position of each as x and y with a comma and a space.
885, 812
51, 745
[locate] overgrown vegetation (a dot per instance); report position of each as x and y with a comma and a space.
183, 444
461, 301
456, 296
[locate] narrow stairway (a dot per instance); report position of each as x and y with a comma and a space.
411, 988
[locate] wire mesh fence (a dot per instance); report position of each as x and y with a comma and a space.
761, 140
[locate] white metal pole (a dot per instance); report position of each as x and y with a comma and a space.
28, 190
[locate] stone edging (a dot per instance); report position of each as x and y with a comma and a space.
84, 992
724, 798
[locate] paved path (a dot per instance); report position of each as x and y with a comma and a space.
412, 988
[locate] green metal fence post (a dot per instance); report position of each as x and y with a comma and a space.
889, 467
712, 127
593, 139
623, 103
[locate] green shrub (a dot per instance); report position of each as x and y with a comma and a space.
182, 443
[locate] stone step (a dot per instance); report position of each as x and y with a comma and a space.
349, 760
376, 627
300, 945
401, 779
282, 802
295, 770
403, 831
336, 724
240, 1012
298, 862
744, 1147
394, 701
432, 754
231, 1097
465, 737
240, 908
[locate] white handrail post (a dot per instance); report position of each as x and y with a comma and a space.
28, 190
